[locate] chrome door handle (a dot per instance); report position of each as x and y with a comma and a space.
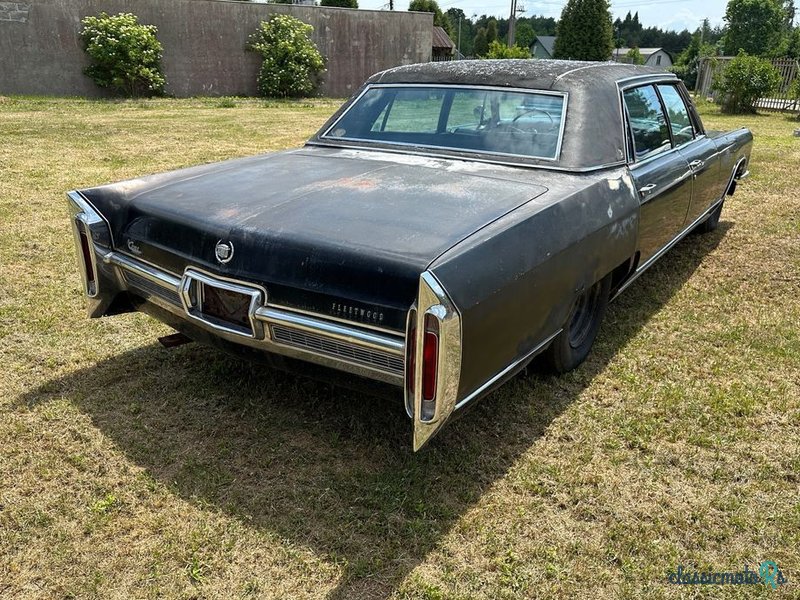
696, 164
647, 189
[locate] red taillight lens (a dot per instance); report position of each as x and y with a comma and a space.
430, 358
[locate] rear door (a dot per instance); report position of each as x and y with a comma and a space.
662, 175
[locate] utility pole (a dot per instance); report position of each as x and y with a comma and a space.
512, 22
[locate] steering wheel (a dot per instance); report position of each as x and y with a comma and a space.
533, 110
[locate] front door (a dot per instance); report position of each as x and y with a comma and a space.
698, 150
662, 176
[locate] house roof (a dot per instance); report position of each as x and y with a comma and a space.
548, 42
645, 52
441, 40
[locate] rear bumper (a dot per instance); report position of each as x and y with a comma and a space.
366, 352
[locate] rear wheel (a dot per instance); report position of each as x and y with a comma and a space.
571, 347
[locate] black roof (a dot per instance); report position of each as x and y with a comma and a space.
593, 132
542, 74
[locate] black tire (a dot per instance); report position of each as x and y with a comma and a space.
712, 222
571, 347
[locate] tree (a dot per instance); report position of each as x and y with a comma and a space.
584, 31
340, 3
292, 64
793, 50
498, 50
480, 46
432, 6
525, 34
634, 57
755, 26
491, 30
458, 19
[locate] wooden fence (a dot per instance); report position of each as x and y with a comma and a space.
780, 100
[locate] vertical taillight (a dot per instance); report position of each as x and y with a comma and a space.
430, 365
88, 258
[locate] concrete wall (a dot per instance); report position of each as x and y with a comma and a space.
204, 44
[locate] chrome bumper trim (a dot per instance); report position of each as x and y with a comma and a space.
332, 330
360, 351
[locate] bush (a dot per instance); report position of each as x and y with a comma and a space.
743, 81
126, 55
292, 64
634, 57
340, 3
499, 50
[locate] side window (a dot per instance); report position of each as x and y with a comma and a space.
647, 120
679, 120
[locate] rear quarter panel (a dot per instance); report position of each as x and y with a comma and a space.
733, 146
515, 280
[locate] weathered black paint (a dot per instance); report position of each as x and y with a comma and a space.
512, 245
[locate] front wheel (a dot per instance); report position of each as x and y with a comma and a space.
571, 347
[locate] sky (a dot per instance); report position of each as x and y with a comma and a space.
666, 14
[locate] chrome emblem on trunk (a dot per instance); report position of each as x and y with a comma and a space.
224, 251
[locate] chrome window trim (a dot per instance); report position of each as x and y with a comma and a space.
529, 91
463, 158
632, 161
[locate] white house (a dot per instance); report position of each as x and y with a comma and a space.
653, 57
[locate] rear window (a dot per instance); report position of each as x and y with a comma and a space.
466, 119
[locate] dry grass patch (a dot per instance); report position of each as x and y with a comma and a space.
131, 471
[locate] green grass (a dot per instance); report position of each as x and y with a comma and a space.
128, 470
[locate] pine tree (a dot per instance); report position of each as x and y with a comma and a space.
584, 31
480, 46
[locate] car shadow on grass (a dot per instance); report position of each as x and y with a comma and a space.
328, 469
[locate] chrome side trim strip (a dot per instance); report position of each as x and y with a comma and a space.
344, 334
498, 377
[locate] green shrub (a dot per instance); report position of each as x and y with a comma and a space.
634, 57
126, 55
499, 50
743, 81
292, 64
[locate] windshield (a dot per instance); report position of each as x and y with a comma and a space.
492, 120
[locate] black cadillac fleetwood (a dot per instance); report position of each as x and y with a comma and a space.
450, 222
